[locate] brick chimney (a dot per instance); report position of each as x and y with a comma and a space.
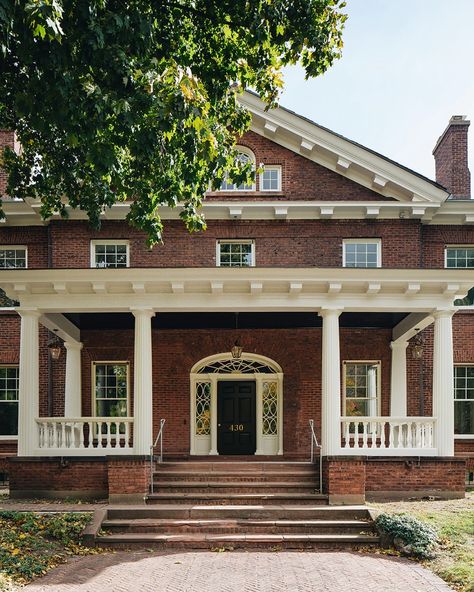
7, 138
450, 154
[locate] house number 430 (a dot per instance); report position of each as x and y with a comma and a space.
236, 427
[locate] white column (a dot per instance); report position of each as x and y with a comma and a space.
28, 404
398, 379
330, 383
443, 382
72, 391
143, 383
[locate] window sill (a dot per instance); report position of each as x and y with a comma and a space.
464, 436
9, 438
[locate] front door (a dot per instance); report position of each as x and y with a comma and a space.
236, 417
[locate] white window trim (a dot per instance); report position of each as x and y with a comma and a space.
463, 365
362, 241
93, 383
108, 241
466, 246
377, 363
14, 248
270, 167
219, 242
251, 155
3, 437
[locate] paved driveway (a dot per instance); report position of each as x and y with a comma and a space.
239, 572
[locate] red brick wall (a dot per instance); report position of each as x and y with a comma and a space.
304, 243
451, 159
301, 178
128, 476
435, 474
436, 238
344, 477
35, 238
49, 475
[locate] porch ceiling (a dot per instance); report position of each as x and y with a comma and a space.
229, 290
282, 320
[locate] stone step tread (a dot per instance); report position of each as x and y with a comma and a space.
216, 522
268, 474
228, 484
221, 538
230, 496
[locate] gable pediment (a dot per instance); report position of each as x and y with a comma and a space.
386, 179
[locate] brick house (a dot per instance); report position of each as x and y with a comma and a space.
332, 292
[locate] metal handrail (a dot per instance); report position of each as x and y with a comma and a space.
315, 444
159, 438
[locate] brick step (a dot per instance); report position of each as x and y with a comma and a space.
234, 477
236, 466
235, 541
222, 487
244, 526
236, 498
238, 512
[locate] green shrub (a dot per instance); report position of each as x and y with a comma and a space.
407, 534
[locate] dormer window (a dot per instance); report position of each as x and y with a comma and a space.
245, 156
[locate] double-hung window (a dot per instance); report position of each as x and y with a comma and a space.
270, 178
361, 388
111, 389
461, 257
464, 400
362, 253
110, 253
11, 257
235, 253
9, 379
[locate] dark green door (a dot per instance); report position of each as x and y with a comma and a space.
236, 417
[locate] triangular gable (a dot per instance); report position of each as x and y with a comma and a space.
344, 157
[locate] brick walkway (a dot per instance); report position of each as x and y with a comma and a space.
239, 572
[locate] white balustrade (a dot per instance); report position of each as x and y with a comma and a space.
388, 436
64, 436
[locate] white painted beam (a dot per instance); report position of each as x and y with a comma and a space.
62, 326
410, 326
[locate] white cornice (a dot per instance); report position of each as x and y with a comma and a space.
330, 150
224, 289
451, 212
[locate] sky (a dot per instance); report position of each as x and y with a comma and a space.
407, 66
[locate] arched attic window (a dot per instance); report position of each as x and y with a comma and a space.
245, 156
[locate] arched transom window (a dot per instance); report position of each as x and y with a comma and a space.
245, 156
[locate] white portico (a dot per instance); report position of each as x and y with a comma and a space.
425, 296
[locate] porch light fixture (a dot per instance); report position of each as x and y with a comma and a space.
236, 350
54, 346
417, 351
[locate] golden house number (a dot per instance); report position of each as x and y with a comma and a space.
236, 427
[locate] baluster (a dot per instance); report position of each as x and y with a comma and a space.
40, 434
55, 434
390, 435
90, 443
365, 427
379, 429
62, 439
356, 434
81, 434
127, 435
108, 431
429, 435
418, 435
347, 434
409, 435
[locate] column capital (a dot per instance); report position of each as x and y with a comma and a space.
29, 312
401, 344
143, 312
443, 313
327, 311
73, 345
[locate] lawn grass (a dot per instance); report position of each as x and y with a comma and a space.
454, 522
33, 543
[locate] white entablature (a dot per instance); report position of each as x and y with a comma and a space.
226, 289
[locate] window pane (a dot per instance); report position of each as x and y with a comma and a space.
11, 258
110, 255
361, 254
9, 378
235, 254
9, 419
464, 417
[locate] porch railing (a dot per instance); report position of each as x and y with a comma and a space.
315, 444
86, 435
388, 435
159, 439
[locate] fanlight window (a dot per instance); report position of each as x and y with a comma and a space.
241, 366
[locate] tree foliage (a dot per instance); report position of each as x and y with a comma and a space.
116, 100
